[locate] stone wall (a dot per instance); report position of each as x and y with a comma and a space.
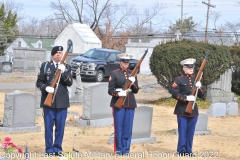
26, 59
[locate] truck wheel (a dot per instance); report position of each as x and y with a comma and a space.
99, 76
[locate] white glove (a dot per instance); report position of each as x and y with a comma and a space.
198, 84
122, 93
61, 67
191, 98
49, 89
132, 79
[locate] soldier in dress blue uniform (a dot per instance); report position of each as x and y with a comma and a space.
57, 113
181, 91
123, 118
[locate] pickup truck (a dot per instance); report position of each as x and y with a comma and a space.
98, 63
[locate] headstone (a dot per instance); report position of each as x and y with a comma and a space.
142, 125
202, 123
6, 68
38, 94
217, 110
71, 91
232, 109
96, 110
19, 112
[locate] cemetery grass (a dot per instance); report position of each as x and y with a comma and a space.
223, 143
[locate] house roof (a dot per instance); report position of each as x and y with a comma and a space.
83, 31
47, 43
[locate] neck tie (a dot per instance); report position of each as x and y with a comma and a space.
56, 65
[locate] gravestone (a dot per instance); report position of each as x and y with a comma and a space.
6, 68
142, 124
232, 109
96, 110
19, 112
217, 110
202, 123
38, 94
71, 91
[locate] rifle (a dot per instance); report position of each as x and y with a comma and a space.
56, 78
194, 91
128, 83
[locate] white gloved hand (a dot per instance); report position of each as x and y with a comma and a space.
198, 84
61, 67
122, 93
49, 89
191, 98
132, 79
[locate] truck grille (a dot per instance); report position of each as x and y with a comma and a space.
74, 66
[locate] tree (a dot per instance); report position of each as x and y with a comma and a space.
235, 52
121, 18
234, 31
8, 29
165, 61
184, 26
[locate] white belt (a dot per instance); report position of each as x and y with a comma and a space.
120, 89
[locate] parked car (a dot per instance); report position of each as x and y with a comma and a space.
98, 63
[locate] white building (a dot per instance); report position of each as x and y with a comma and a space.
80, 36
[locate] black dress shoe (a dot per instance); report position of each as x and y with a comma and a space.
51, 154
58, 153
189, 155
181, 154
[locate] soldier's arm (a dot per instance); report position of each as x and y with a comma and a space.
67, 76
112, 85
176, 91
134, 87
41, 78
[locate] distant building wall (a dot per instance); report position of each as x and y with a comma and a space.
25, 59
137, 46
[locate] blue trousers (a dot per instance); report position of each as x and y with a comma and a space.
186, 129
123, 122
53, 117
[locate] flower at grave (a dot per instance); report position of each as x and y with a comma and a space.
67, 155
10, 147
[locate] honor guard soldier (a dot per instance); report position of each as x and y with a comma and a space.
123, 118
57, 113
181, 90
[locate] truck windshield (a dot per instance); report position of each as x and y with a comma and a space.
96, 54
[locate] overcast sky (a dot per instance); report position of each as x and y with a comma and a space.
228, 8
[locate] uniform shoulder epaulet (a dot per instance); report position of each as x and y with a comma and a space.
180, 76
116, 70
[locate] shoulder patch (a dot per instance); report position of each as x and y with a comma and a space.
174, 85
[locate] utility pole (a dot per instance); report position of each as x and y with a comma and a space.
182, 10
206, 29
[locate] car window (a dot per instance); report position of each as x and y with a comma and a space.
112, 57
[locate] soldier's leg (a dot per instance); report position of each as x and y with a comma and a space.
182, 129
60, 120
49, 116
190, 133
118, 115
127, 130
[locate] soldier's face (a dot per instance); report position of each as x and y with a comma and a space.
124, 65
188, 70
57, 56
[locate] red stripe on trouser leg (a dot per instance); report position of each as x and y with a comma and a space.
114, 140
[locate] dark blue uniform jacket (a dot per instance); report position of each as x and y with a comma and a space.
181, 88
45, 77
117, 79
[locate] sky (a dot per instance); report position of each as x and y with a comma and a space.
229, 10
